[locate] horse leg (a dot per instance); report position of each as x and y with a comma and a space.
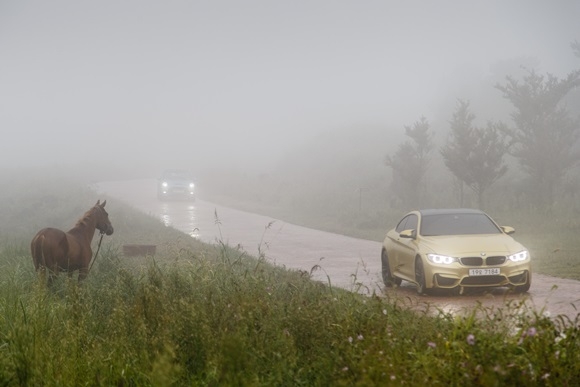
47, 274
42, 272
51, 277
83, 272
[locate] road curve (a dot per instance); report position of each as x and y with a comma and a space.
343, 261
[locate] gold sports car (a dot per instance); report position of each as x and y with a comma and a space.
454, 249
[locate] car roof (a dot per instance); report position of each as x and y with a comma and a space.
175, 170
449, 211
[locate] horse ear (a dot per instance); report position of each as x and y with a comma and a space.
103, 205
98, 202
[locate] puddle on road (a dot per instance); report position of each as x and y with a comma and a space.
182, 216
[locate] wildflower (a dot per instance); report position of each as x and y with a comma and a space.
546, 376
350, 339
432, 344
560, 337
470, 339
345, 369
385, 312
360, 337
531, 332
393, 377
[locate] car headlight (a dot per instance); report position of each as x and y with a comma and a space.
518, 257
441, 259
164, 184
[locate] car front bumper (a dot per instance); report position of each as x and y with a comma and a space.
511, 274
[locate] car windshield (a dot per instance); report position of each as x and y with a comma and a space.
175, 175
457, 224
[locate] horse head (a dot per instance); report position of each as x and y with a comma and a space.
103, 223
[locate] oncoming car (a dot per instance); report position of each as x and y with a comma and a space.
454, 249
175, 184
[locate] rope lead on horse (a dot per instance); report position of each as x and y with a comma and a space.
98, 248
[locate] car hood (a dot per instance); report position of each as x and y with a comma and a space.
458, 245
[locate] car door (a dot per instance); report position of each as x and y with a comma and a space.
402, 248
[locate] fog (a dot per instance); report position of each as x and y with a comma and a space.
200, 84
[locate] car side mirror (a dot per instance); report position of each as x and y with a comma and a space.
410, 234
508, 230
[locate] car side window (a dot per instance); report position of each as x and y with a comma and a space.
403, 224
412, 222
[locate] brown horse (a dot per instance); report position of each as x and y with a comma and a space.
58, 251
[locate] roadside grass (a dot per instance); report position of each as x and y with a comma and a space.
197, 314
551, 236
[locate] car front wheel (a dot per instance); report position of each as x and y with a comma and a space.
420, 277
388, 278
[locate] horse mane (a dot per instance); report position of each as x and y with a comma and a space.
84, 219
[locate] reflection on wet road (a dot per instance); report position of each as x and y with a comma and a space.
182, 216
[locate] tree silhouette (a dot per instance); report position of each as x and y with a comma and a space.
474, 155
458, 145
544, 136
576, 48
410, 163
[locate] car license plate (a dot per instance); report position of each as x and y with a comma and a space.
491, 271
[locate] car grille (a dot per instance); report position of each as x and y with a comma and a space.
479, 261
472, 261
493, 261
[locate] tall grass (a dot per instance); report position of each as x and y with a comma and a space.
212, 315
229, 319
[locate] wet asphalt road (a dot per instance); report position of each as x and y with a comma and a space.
343, 261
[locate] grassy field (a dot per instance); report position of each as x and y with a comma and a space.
197, 314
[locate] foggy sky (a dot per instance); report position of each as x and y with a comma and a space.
173, 83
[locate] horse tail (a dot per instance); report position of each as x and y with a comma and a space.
37, 249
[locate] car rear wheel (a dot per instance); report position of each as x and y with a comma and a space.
420, 277
388, 278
